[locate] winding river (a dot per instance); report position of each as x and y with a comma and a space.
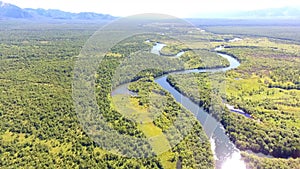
225, 152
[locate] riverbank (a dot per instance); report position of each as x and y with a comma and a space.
247, 89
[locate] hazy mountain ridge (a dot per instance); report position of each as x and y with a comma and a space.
272, 12
12, 11
269, 13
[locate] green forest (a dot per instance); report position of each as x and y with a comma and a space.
265, 86
40, 127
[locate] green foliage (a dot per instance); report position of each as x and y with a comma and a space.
39, 126
290, 33
199, 88
255, 162
254, 92
193, 151
173, 49
274, 126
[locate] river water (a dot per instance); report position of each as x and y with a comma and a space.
158, 46
225, 153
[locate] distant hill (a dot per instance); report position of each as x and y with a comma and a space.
11, 11
285, 12
270, 13
58, 14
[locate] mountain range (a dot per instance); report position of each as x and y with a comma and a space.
284, 12
12, 11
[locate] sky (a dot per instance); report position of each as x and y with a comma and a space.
178, 8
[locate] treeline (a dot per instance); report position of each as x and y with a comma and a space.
255, 162
248, 135
284, 86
